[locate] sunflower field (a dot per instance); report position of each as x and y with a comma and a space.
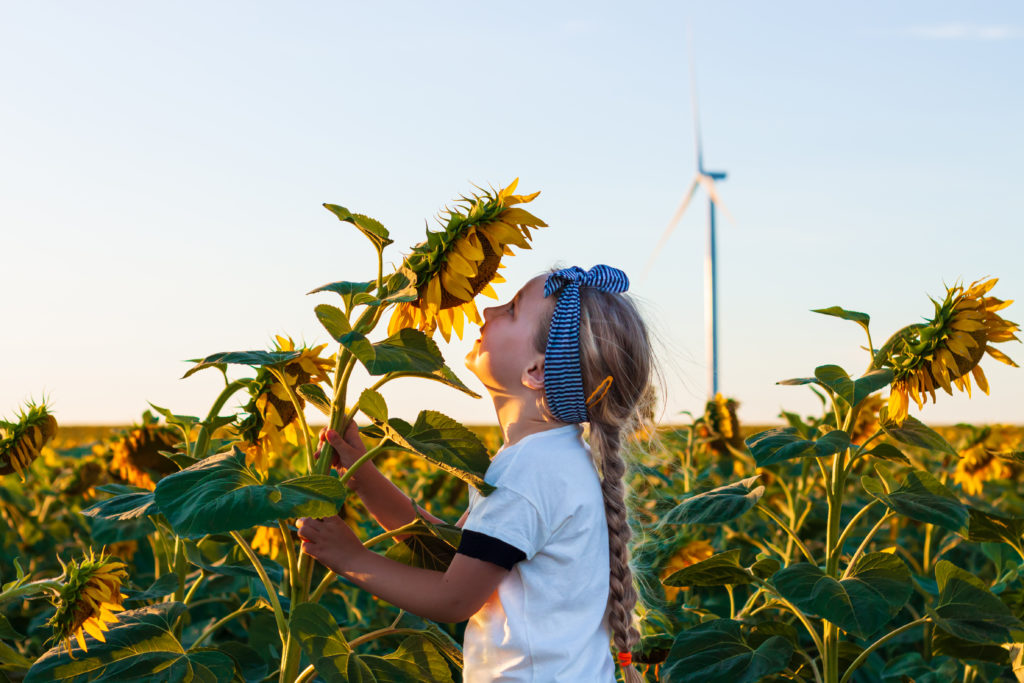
849, 546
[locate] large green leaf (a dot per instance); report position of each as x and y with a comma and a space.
852, 391
922, 497
233, 563
443, 375
876, 589
251, 358
373, 405
427, 545
372, 229
986, 527
221, 494
407, 350
913, 432
333, 320
716, 506
140, 646
320, 638
444, 442
717, 652
130, 503
316, 396
722, 569
966, 608
785, 443
348, 291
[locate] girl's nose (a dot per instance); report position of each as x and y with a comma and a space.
488, 312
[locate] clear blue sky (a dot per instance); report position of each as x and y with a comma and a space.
163, 166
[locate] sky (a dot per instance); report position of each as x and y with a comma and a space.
163, 168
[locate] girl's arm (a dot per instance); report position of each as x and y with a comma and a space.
449, 597
386, 502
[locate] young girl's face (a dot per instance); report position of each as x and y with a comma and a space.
505, 348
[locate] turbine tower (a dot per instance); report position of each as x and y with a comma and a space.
705, 179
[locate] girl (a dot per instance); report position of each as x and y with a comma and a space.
542, 570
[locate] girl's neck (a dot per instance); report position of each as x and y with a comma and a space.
520, 418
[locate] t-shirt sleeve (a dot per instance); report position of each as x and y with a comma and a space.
509, 517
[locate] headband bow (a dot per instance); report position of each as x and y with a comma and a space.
563, 376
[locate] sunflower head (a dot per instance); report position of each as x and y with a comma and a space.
720, 426
136, 452
88, 599
941, 352
461, 260
690, 554
268, 541
270, 409
21, 441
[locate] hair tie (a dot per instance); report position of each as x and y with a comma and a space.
563, 376
603, 387
625, 659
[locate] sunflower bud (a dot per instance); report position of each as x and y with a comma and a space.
22, 441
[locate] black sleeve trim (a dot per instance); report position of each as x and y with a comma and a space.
489, 549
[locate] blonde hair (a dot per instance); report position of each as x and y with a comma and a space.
614, 341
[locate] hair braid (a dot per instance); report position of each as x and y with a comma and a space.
622, 595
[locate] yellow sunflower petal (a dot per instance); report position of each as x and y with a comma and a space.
522, 217
93, 630
469, 247
433, 297
456, 285
80, 637
979, 377
1000, 356
489, 292
458, 264
444, 321
458, 318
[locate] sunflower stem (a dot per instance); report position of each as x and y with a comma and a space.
202, 441
282, 626
878, 643
286, 539
300, 413
763, 509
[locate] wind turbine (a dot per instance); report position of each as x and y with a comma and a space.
705, 179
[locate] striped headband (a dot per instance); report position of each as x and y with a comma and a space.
563, 376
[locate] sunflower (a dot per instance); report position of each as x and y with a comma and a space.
22, 441
690, 554
939, 354
268, 541
866, 423
270, 409
135, 453
88, 599
979, 464
454, 265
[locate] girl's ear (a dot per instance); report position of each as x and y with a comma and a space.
533, 374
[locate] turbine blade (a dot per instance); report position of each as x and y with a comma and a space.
671, 226
709, 186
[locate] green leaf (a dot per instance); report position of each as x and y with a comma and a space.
876, 589
913, 432
416, 659
949, 645
221, 494
12, 659
441, 440
8, 632
248, 661
718, 505
986, 527
966, 608
348, 291
407, 350
372, 229
885, 451
316, 396
165, 585
427, 546
140, 646
717, 652
852, 391
785, 443
862, 319
373, 405
333, 320
131, 503
722, 569
797, 381
251, 358
922, 497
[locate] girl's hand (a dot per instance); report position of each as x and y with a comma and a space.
330, 541
346, 450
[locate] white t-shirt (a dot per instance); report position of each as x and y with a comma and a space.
547, 621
